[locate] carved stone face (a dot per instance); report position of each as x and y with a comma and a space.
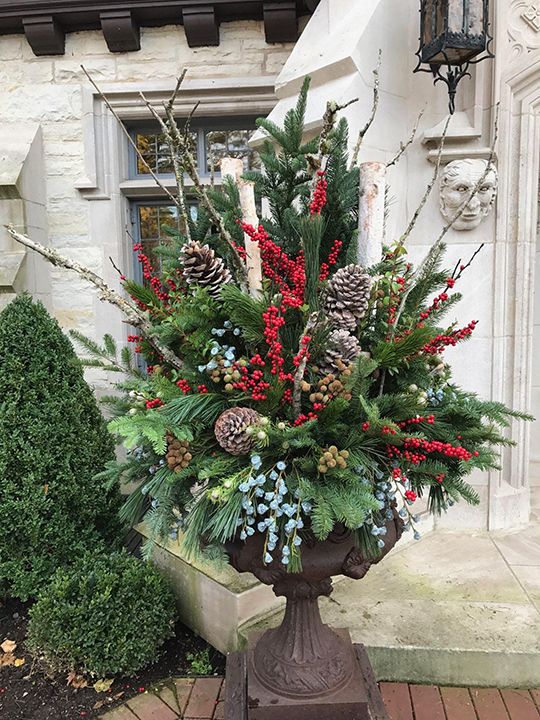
458, 180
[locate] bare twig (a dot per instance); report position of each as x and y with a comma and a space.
403, 146
115, 266
131, 140
328, 124
180, 80
375, 105
429, 187
301, 369
133, 314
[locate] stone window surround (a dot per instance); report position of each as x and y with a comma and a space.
106, 183
106, 147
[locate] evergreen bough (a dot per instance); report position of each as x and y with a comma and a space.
53, 440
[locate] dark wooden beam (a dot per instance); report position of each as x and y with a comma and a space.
120, 30
44, 35
45, 22
201, 26
280, 21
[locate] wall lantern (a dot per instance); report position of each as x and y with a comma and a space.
454, 34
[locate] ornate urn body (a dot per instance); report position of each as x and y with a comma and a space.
304, 666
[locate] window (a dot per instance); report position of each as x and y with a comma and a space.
211, 140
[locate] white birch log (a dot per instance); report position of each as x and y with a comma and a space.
371, 213
234, 167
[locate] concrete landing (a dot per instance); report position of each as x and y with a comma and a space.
452, 609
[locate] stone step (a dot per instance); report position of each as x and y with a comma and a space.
453, 609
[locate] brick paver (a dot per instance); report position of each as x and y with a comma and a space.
151, 707
202, 699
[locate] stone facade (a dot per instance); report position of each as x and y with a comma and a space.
87, 215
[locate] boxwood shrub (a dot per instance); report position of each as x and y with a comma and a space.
107, 616
53, 440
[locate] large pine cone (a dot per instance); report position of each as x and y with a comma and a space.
347, 297
230, 429
202, 267
342, 348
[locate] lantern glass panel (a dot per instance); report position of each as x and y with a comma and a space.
454, 31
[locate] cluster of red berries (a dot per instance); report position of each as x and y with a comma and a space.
365, 426
318, 200
430, 419
289, 276
301, 419
433, 446
440, 477
184, 386
442, 298
151, 404
388, 430
396, 473
332, 260
202, 389
440, 342
410, 495
252, 382
273, 320
148, 273
304, 352
133, 338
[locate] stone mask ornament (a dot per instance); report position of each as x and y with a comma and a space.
458, 180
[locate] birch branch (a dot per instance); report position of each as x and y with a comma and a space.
132, 313
233, 168
375, 105
429, 188
301, 369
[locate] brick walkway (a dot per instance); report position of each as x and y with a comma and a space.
202, 699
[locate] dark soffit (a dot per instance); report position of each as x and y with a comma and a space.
45, 22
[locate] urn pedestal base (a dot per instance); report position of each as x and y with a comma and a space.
247, 699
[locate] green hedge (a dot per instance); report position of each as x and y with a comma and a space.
53, 440
107, 616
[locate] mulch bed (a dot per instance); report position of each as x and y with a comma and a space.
28, 692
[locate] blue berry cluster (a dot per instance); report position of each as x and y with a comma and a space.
270, 507
435, 397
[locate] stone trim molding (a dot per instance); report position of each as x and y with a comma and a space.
106, 147
513, 290
45, 22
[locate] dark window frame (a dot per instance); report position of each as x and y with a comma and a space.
202, 126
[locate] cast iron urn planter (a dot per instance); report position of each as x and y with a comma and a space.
304, 667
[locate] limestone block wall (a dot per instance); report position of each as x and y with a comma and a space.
54, 93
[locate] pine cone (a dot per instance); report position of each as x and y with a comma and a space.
347, 297
230, 429
202, 267
343, 348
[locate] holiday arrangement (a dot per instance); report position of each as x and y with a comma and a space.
286, 389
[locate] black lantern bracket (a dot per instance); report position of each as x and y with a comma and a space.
454, 74
454, 52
